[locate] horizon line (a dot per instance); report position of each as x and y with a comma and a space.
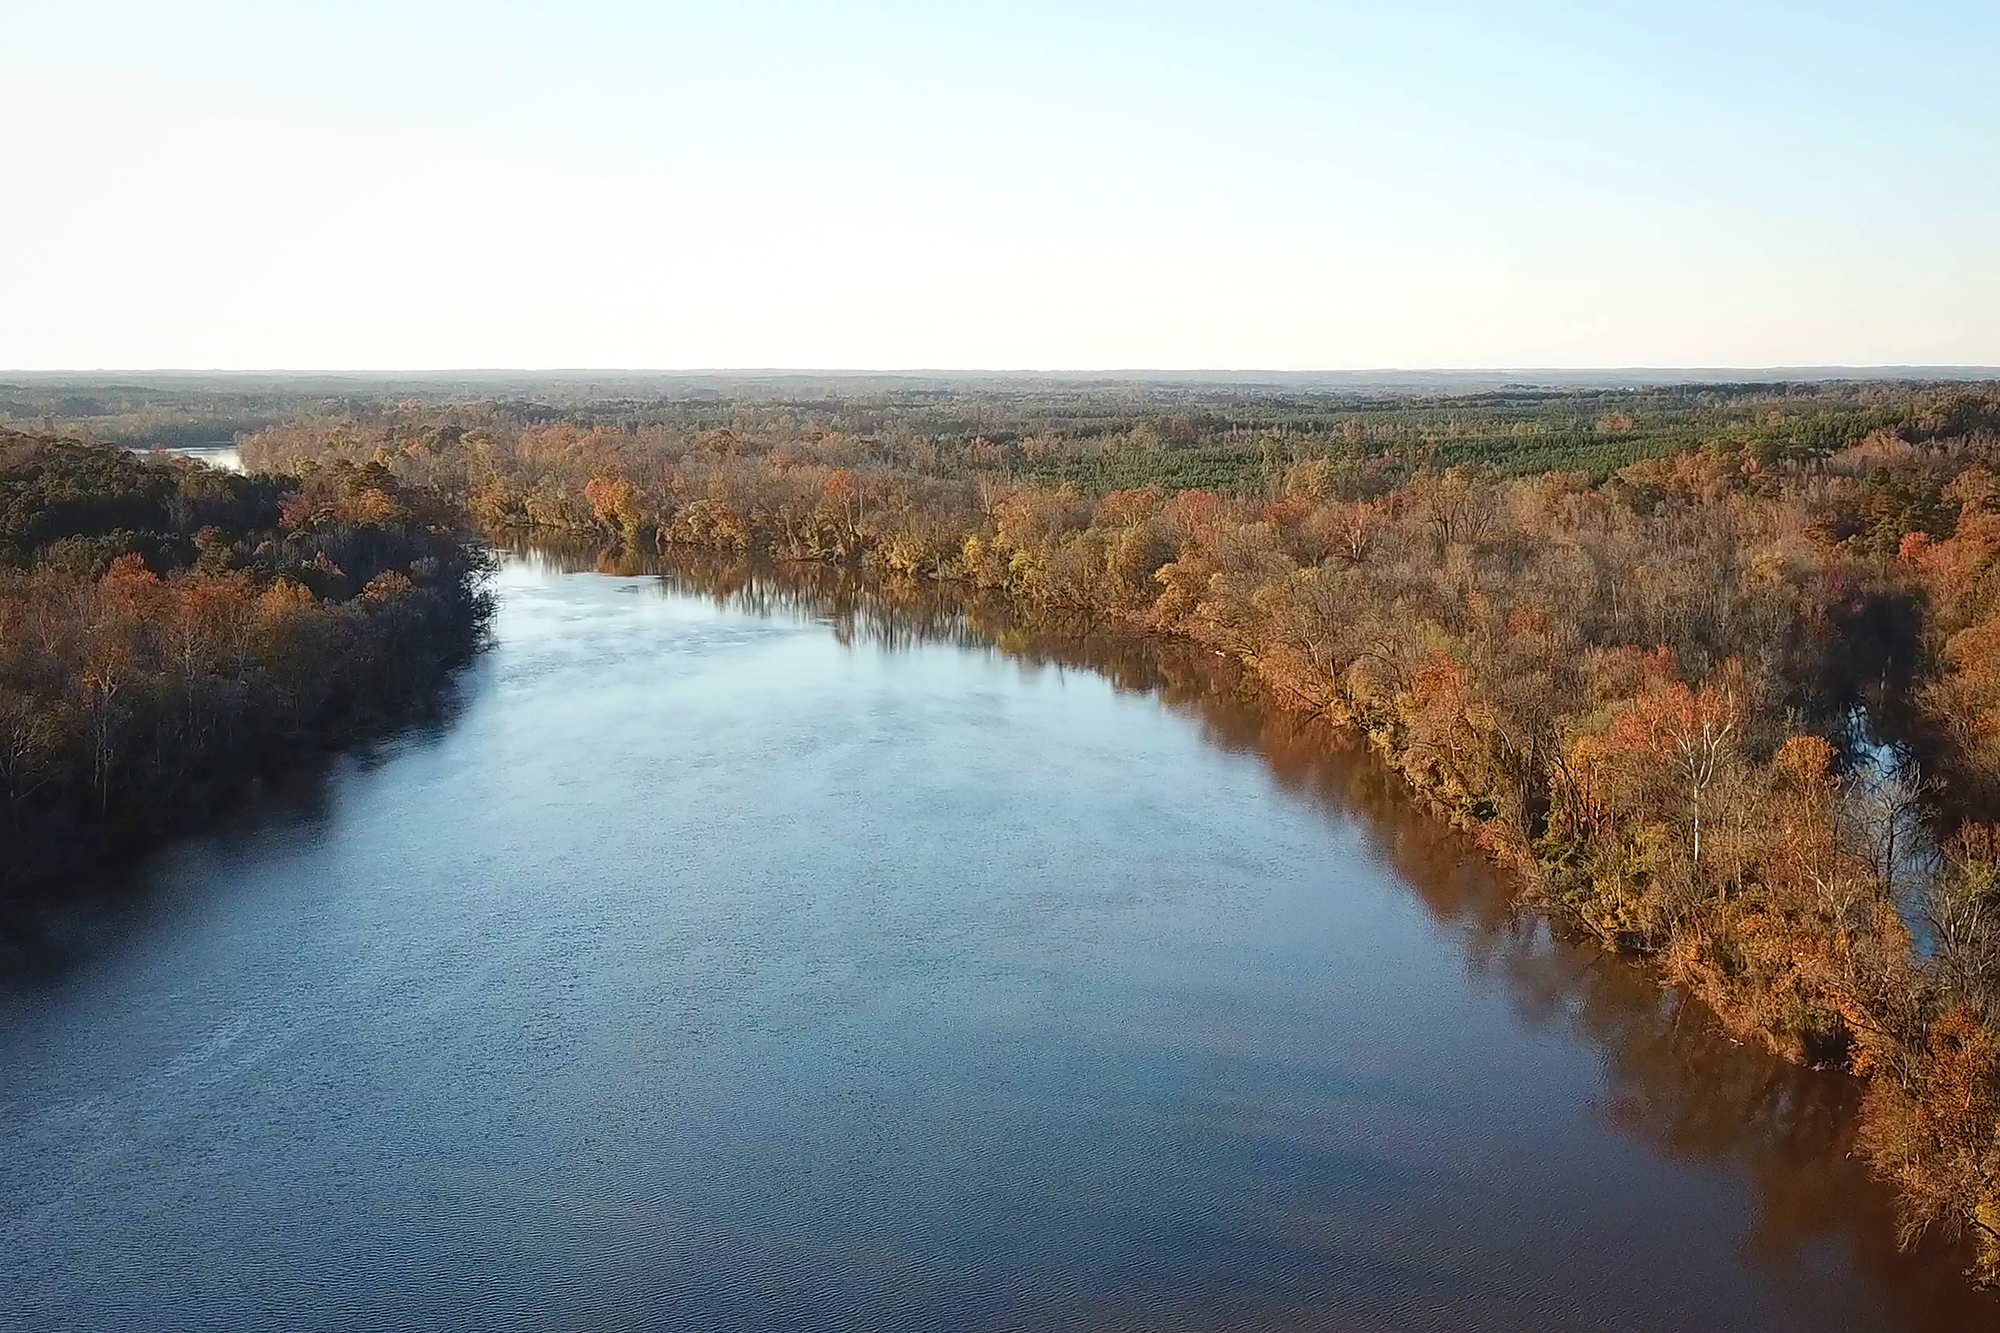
1819, 368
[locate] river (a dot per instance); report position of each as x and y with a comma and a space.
731, 956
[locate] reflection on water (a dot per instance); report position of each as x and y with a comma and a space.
225, 456
759, 950
1675, 1081
45, 933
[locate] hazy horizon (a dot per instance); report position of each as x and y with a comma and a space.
370, 187
1388, 376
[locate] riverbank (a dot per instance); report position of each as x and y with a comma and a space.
730, 909
170, 634
1637, 693
1733, 1005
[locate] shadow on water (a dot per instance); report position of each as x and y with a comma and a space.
1674, 1081
50, 931
1671, 1081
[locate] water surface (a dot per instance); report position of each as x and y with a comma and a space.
749, 963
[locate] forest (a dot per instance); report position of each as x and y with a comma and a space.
1714, 669
170, 632
1099, 434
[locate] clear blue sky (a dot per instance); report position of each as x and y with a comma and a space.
1279, 185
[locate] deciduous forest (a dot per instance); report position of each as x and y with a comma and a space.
170, 631
1716, 670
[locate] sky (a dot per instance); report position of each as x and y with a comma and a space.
252, 184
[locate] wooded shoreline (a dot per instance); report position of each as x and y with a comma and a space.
1636, 687
1638, 692
170, 633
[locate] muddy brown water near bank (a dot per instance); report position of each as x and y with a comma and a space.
750, 950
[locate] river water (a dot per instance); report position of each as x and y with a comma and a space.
730, 957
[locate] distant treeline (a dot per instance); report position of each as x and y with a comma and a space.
169, 631
1650, 686
1101, 436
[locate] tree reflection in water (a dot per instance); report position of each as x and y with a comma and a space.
1673, 1081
